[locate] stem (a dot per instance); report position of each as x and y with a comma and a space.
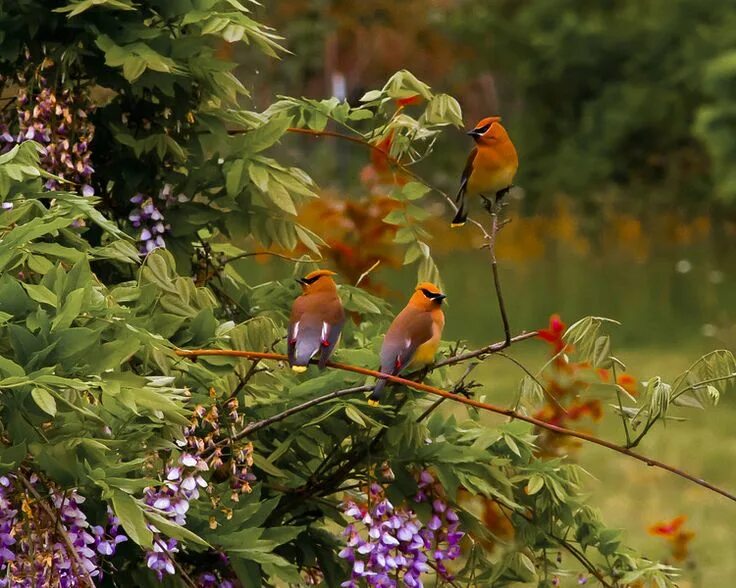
620, 405
439, 401
496, 279
523, 368
253, 427
60, 528
483, 351
457, 398
272, 254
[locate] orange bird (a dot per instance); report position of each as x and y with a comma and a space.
317, 317
413, 338
490, 168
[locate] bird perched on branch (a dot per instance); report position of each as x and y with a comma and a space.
317, 318
413, 338
490, 169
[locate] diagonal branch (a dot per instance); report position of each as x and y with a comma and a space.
470, 402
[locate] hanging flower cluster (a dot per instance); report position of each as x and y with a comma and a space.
148, 216
58, 119
171, 500
203, 451
210, 433
387, 544
33, 551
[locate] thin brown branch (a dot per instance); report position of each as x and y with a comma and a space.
483, 351
253, 427
83, 573
272, 254
391, 160
469, 402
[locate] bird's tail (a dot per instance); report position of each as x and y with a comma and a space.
462, 209
303, 354
375, 396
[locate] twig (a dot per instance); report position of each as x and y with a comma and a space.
366, 272
462, 400
564, 543
391, 160
185, 577
272, 254
60, 528
483, 351
493, 209
523, 368
620, 404
444, 579
244, 380
253, 427
439, 401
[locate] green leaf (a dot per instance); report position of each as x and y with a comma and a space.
44, 400
41, 294
234, 178
355, 415
535, 484
131, 518
280, 197
171, 529
259, 176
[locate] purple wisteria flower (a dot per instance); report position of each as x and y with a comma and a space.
172, 499
387, 544
32, 550
148, 216
58, 119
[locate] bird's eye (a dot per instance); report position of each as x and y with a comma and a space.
482, 130
428, 294
310, 280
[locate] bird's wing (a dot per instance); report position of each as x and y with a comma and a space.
297, 310
334, 320
466, 174
409, 330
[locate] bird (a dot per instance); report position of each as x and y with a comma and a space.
317, 318
490, 169
414, 336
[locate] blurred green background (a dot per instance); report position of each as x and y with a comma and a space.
624, 116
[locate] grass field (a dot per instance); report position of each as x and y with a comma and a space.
632, 496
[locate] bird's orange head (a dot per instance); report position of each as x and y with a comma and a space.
318, 281
427, 296
489, 130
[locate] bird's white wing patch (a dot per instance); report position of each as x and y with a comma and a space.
325, 330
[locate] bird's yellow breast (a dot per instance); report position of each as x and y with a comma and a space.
489, 180
494, 168
425, 354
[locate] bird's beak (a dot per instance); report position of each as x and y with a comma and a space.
439, 297
475, 134
301, 281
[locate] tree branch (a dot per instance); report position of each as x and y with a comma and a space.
469, 402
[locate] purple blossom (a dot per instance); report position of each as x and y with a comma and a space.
387, 543
31, 550
172, 498
56, 118
147, 217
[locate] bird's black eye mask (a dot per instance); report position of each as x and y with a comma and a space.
434, 296
482, 130
308, 281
